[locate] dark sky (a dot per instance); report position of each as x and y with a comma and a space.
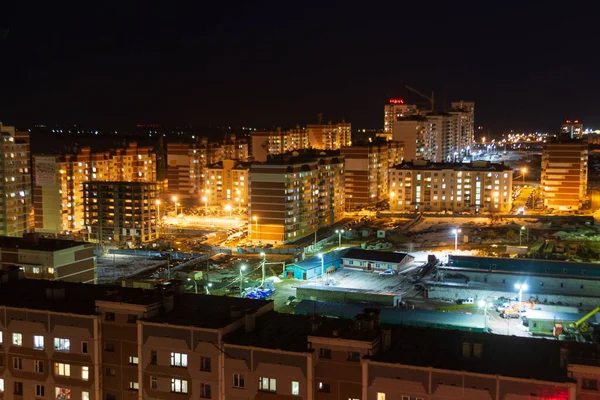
114, 64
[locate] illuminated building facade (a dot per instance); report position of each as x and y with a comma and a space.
15, 178
293, 194
565, 174
226, 183
59, 179
394, 110
573, 128
120, 211
477, 187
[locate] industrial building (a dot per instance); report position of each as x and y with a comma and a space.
376, 261
548, 281
565, 174
47, 258
109, 342
294, 194
15, 181
121, 211
476, 187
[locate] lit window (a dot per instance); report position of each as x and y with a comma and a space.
178, 360
38, 342
17, 339
380, 396
179, 385
62, 344
133, 360
85, 373
267, 384
62, 369
295, 388
134, 386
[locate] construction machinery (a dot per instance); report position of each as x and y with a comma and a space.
430, 99
581, 329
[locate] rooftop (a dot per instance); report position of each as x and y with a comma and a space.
35, 242
374, 255
202, 311
435, 166
500, 355
300, 156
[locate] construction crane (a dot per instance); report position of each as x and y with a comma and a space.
580, 325
430, 99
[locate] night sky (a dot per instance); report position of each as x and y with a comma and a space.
264, 64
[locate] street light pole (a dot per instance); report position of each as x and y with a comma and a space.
523, 172
175, 201
455, 231
322, 267
521, 235
195, 284
255, 218
242, 268
208, 285
339, 232
263, 255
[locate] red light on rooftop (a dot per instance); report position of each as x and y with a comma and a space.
568, 121
576, 121
396, 101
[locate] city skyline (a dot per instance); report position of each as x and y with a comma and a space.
267, 65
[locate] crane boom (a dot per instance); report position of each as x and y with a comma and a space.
430, 99
588, 316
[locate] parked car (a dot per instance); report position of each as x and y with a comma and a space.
387, 272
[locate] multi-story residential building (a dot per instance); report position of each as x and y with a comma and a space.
227, 183
47, 258
294, 194
479, 186
317, 136
565, 174
329, 136
394, 110
76, 341
120, 211
15, 178
188, 164
572, 128
59, 179
365, 174
433, 136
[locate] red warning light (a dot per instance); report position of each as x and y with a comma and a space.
396, 101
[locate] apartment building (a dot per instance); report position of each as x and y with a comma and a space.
106, 342
565, 174
294, 194
121, 211
572, 128
327, 136
365, 174
187, 163
59, 180
227, 183
394, 110
15, 178
47, 258
476, 187
433, 136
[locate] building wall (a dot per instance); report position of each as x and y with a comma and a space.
564, 175
466, 189
15, 178
365, 174
227, 183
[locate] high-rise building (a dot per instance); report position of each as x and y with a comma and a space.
59, 179
121, 211
565, 174
227, 183
366, 173
15, 182
433, 136
294, 194
476, 187
394, 110
329, 136
573, 128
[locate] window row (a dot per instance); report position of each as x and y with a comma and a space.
40, 391
60, 344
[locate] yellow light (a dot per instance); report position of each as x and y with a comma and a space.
158, 202
524, 170
227, 207
174, 198
255, 218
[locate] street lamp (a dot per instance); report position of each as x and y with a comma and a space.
228, 208
322, 267
242, 269
264, 256
484, 304
205, 200
523, 171
195, 285
521, 287
174, 198
521, 234
456, 232
339, 232
208, 285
